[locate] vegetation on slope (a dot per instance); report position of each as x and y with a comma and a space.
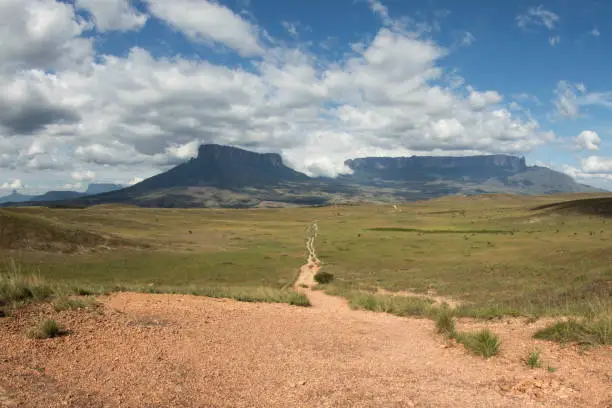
23, 230
556, 265
600, 206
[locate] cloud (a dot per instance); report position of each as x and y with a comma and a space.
208, 22
180, 153
525, 97
291, 28
114, 153
405, 24
481, 100
468, 38
135, 180
567, 102
514, 105
41, 34
595, 32
571, 97
113, 14
554, 40
15, 184
587, 139
381, 11
138, 113
85, 175
28, 103
603, 99
537, 16
597, 164
72, 186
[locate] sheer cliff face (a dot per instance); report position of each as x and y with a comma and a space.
417, 167
227, 155
224, 167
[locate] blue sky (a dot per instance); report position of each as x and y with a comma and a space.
118, 90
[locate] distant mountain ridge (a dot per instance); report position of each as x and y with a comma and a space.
99, 188
224, 176
15, 197
58, 195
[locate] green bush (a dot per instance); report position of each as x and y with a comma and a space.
299, 299
323, 277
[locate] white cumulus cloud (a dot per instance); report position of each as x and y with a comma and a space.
43, 34
72, 186
207, 21
85, 175
588, 139
135, 180
597, 164
113, 14
15, 184
136, 114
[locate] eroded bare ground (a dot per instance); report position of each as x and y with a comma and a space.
148, 350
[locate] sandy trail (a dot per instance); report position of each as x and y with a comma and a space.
148, 350
173, 350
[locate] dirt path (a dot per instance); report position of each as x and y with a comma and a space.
173, 350
147, 350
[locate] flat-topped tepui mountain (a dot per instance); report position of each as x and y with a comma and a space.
224, 167
224, 176
423, 168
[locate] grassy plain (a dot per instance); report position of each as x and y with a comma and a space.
492, 254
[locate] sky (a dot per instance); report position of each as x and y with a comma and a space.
118, 90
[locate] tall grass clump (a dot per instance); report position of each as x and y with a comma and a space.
397, 305
299, 299
18, 288
45, 330
533, 360
588, 332
65, 303
484, 342
445, 322
242, 294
